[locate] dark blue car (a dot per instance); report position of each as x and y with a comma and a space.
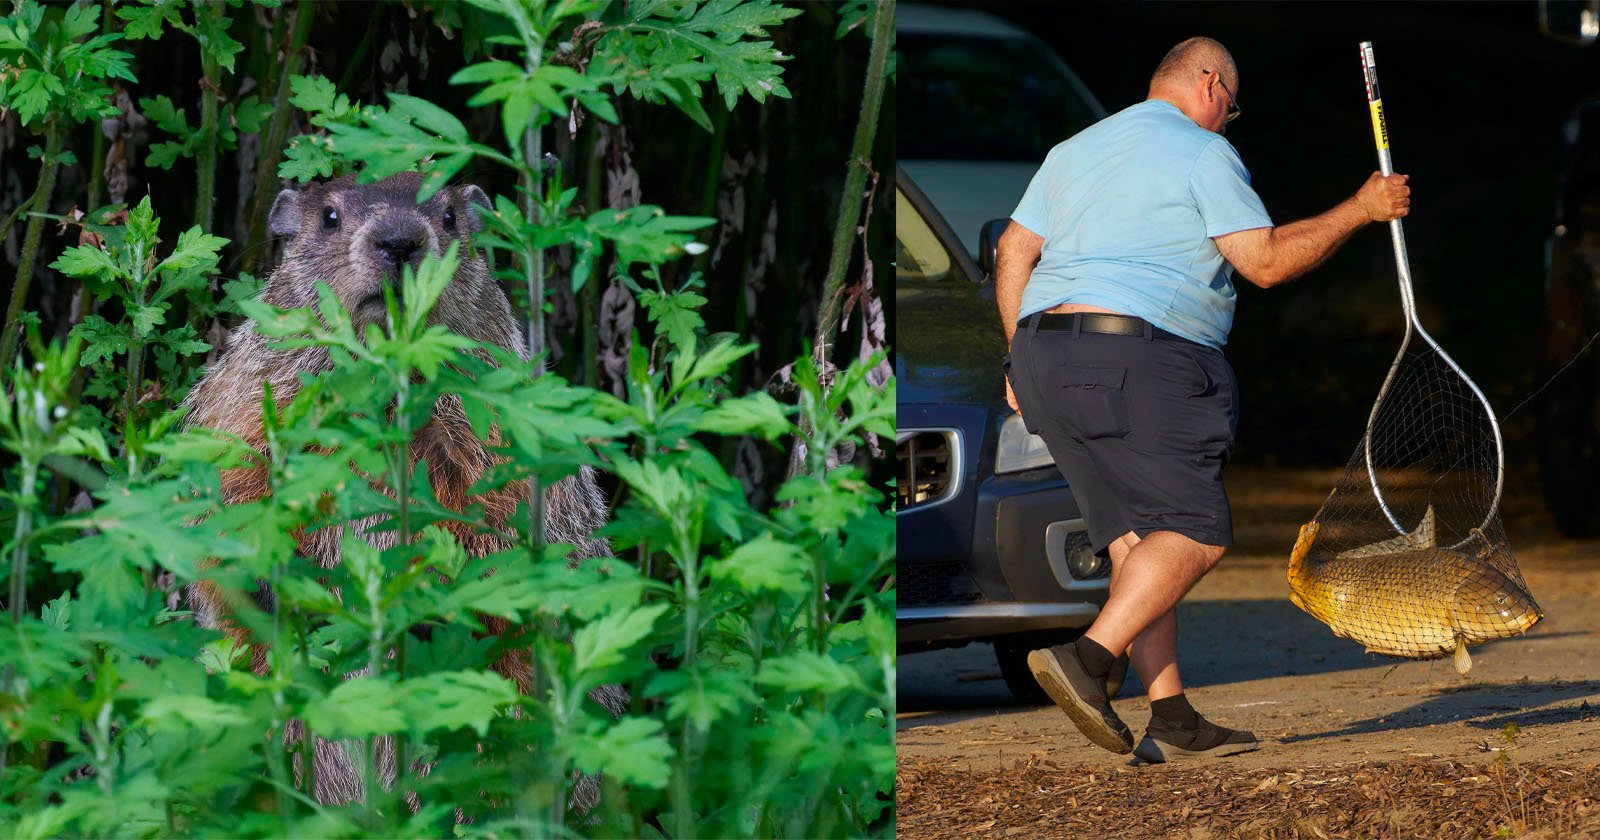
991, 544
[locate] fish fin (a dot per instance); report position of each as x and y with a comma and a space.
1302, 547
1422, 536
1463, 660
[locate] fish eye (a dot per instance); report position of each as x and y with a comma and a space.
330, 218
449, 218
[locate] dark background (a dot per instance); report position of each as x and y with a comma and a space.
1475, 98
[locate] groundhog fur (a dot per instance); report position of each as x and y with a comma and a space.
356, 238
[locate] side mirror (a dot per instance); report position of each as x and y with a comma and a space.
989, 241
1572, 21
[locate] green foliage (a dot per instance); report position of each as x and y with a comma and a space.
756, 643
125, 268
662, 50
47, 68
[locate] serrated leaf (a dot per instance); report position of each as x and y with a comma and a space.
807, 672
452, 700
703, 696
765, 564
86, 261
196, 249
166, 115
306, 158
753, 414
358, 708
600, 645
634, 751
164, 154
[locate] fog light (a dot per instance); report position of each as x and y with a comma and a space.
1083, 562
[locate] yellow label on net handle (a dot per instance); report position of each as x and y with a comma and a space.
1380, 129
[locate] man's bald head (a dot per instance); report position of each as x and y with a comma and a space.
1189, 59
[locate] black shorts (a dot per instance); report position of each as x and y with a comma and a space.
1140, 425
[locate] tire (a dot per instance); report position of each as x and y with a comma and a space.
1012, 654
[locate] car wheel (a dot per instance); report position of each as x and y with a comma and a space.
1012, 654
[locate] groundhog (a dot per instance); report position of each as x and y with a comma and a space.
356, 238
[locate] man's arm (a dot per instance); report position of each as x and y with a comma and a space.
1015, 256
1269, 256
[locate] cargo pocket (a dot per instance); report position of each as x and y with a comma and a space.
1096, 403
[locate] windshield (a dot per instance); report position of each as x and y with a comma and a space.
982, 98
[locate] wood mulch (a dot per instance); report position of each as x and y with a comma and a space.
1406, 799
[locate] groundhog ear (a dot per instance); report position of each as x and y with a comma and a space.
478, 202
284, 220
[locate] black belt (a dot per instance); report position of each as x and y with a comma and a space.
1107, 323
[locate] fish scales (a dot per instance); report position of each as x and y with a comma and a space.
1420, 602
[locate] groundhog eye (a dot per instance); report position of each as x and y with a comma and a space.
449, 218
330, 218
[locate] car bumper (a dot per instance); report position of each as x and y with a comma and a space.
1011, 577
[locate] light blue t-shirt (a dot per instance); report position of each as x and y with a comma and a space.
1127, 209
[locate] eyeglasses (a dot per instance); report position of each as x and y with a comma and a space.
1233, 101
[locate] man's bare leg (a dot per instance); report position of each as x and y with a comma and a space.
1152, 578
1154, 653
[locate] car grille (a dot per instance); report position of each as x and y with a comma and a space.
929, 464
931, 584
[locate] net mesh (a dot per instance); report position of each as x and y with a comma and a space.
1408, 554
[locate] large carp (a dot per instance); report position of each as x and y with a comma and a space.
1407, 597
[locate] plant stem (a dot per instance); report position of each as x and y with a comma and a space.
402, 492
277, 133
205, 157
855, 178
533, 262
40, 202
689, 556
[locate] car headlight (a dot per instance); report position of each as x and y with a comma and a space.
1019, 450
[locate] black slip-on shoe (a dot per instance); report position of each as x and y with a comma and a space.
1081, 696
1164, 742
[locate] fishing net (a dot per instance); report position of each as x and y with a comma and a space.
1408, 554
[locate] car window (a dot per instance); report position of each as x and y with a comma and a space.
982, 98
919, 255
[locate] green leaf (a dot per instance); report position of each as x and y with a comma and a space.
456, 699
358, 708
251, 113
196, 249
306, 158
166, 115
183, 712
58, 613
427, 115
488, 71
145, 21
212, 33
601, 645
164, 154
765, 564
807, 672
147, 318
755, 414
86, 261
702, 695
635, 751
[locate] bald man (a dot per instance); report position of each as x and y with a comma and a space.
1114, 282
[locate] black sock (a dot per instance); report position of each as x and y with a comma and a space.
1176, 711
1096, 659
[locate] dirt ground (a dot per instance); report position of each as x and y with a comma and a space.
1352, 744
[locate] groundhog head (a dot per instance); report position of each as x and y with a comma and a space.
357, 237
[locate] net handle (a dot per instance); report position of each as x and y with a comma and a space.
1380, 136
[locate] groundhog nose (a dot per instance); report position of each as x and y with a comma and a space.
399, 250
